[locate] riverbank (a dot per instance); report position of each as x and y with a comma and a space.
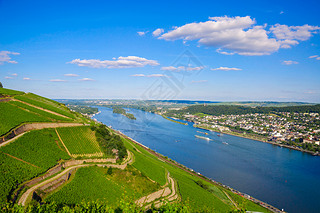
192, 172
260, 140
174, 120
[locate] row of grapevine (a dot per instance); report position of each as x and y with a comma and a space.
12, 116
90, 184
45, 103
14, 172
9, 92
79, 140
40, 112
38, 147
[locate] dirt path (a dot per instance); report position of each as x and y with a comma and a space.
46, 110
20, 160
24, 198
62, 142
165, 193
231, 199
35, 126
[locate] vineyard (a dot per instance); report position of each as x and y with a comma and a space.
38, 147
12, 116
45, 103
40, 112
9, 92
79, 140
90, 184
13, 172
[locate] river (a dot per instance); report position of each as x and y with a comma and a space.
285, 178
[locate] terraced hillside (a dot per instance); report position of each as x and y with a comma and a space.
48, 153
80, 141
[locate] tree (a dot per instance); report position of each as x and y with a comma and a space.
109, 171
1, 85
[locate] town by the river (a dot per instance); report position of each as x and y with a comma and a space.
285, 178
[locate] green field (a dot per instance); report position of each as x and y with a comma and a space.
90, 184
38, 147
79, 140
13, 172
46, 104
12, 116
40, 112
9, 92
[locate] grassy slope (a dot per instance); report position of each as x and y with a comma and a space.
13, 172
40, 112
12, 116
92, 183
9, 92
79, 140
46, 104
38, 147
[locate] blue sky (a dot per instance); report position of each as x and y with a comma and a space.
198, 50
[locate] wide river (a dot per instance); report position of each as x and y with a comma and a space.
284, 178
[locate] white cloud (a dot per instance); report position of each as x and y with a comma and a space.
169, 68
8, 77
226, 69
315, 56
5, 57
27, 79
177, 69
157, 32
86, 79
241, 35
290, 62
281, 12
291, 35
150, 76
138, 75
224, 52
71, 75
57, 80
121, 62
14, 74
200, 81
142, 33
194, 68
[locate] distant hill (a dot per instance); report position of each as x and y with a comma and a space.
237, 110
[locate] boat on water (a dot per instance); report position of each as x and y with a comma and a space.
204, 138
219, 135
203, 133
225, 143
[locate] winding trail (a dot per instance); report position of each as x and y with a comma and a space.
24, 198
159, 196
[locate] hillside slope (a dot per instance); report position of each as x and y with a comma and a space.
86, 161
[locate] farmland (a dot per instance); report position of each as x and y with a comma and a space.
13, 172
37, 147
40, 112
79, 140
12, 116
45, 103
89, 184
9, 92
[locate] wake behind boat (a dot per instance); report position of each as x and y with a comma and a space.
201, 137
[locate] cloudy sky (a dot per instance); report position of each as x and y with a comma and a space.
198, 50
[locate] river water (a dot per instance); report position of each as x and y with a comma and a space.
284, 178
